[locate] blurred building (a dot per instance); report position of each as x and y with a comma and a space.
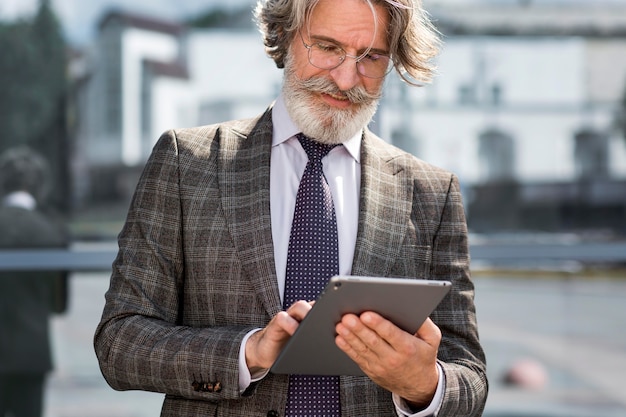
523, 110
144, 76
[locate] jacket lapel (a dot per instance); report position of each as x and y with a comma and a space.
244, 172
385, 206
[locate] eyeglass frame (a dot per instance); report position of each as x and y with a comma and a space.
344, 55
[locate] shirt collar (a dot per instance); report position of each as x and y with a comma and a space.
20, 199
285, 128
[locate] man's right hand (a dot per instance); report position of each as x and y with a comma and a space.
264, 346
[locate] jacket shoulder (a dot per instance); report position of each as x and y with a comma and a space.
239, 128
399, 158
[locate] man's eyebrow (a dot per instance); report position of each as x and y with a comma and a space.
322, 38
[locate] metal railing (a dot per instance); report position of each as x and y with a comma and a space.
73, 259
501, 253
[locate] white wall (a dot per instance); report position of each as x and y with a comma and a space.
545, 100
226, 65
139, 45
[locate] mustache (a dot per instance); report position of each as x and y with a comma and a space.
356, 95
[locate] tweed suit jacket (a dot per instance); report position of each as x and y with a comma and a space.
195, 272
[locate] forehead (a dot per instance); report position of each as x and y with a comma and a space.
350, 22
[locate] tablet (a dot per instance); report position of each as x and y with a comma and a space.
311, 350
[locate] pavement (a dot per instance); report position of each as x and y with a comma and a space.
571, 326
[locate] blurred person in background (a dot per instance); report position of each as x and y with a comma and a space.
27, 298
197, 306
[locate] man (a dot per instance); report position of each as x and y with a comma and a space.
27, 298
195, 308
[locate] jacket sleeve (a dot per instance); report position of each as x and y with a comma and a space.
460, 353
141, 343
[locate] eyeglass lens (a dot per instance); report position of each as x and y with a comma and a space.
330, 56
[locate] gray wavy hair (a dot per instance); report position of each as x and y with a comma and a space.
413, 40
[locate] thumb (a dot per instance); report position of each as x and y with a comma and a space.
429, 333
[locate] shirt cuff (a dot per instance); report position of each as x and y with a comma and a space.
245, 378
403, 409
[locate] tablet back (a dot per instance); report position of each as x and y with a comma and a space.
312, 350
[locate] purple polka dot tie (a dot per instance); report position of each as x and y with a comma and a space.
312, 258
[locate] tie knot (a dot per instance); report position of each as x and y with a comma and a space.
314, 150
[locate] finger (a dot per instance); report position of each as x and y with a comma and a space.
376, 333
359, 339
299, 310
400, 340
429, 332
282, 323
384, 328
352, 346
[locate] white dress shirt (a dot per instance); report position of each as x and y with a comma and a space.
20, 199
342, 170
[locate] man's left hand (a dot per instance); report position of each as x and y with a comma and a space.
398, 361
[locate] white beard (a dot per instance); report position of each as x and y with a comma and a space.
318, 120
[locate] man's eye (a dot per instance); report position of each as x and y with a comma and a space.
325, 47
374, 57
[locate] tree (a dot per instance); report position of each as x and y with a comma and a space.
34, 86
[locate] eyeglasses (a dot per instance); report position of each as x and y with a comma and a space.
327, 56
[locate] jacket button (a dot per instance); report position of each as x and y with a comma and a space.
273, 413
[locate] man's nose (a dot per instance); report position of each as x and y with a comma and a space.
346, 75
